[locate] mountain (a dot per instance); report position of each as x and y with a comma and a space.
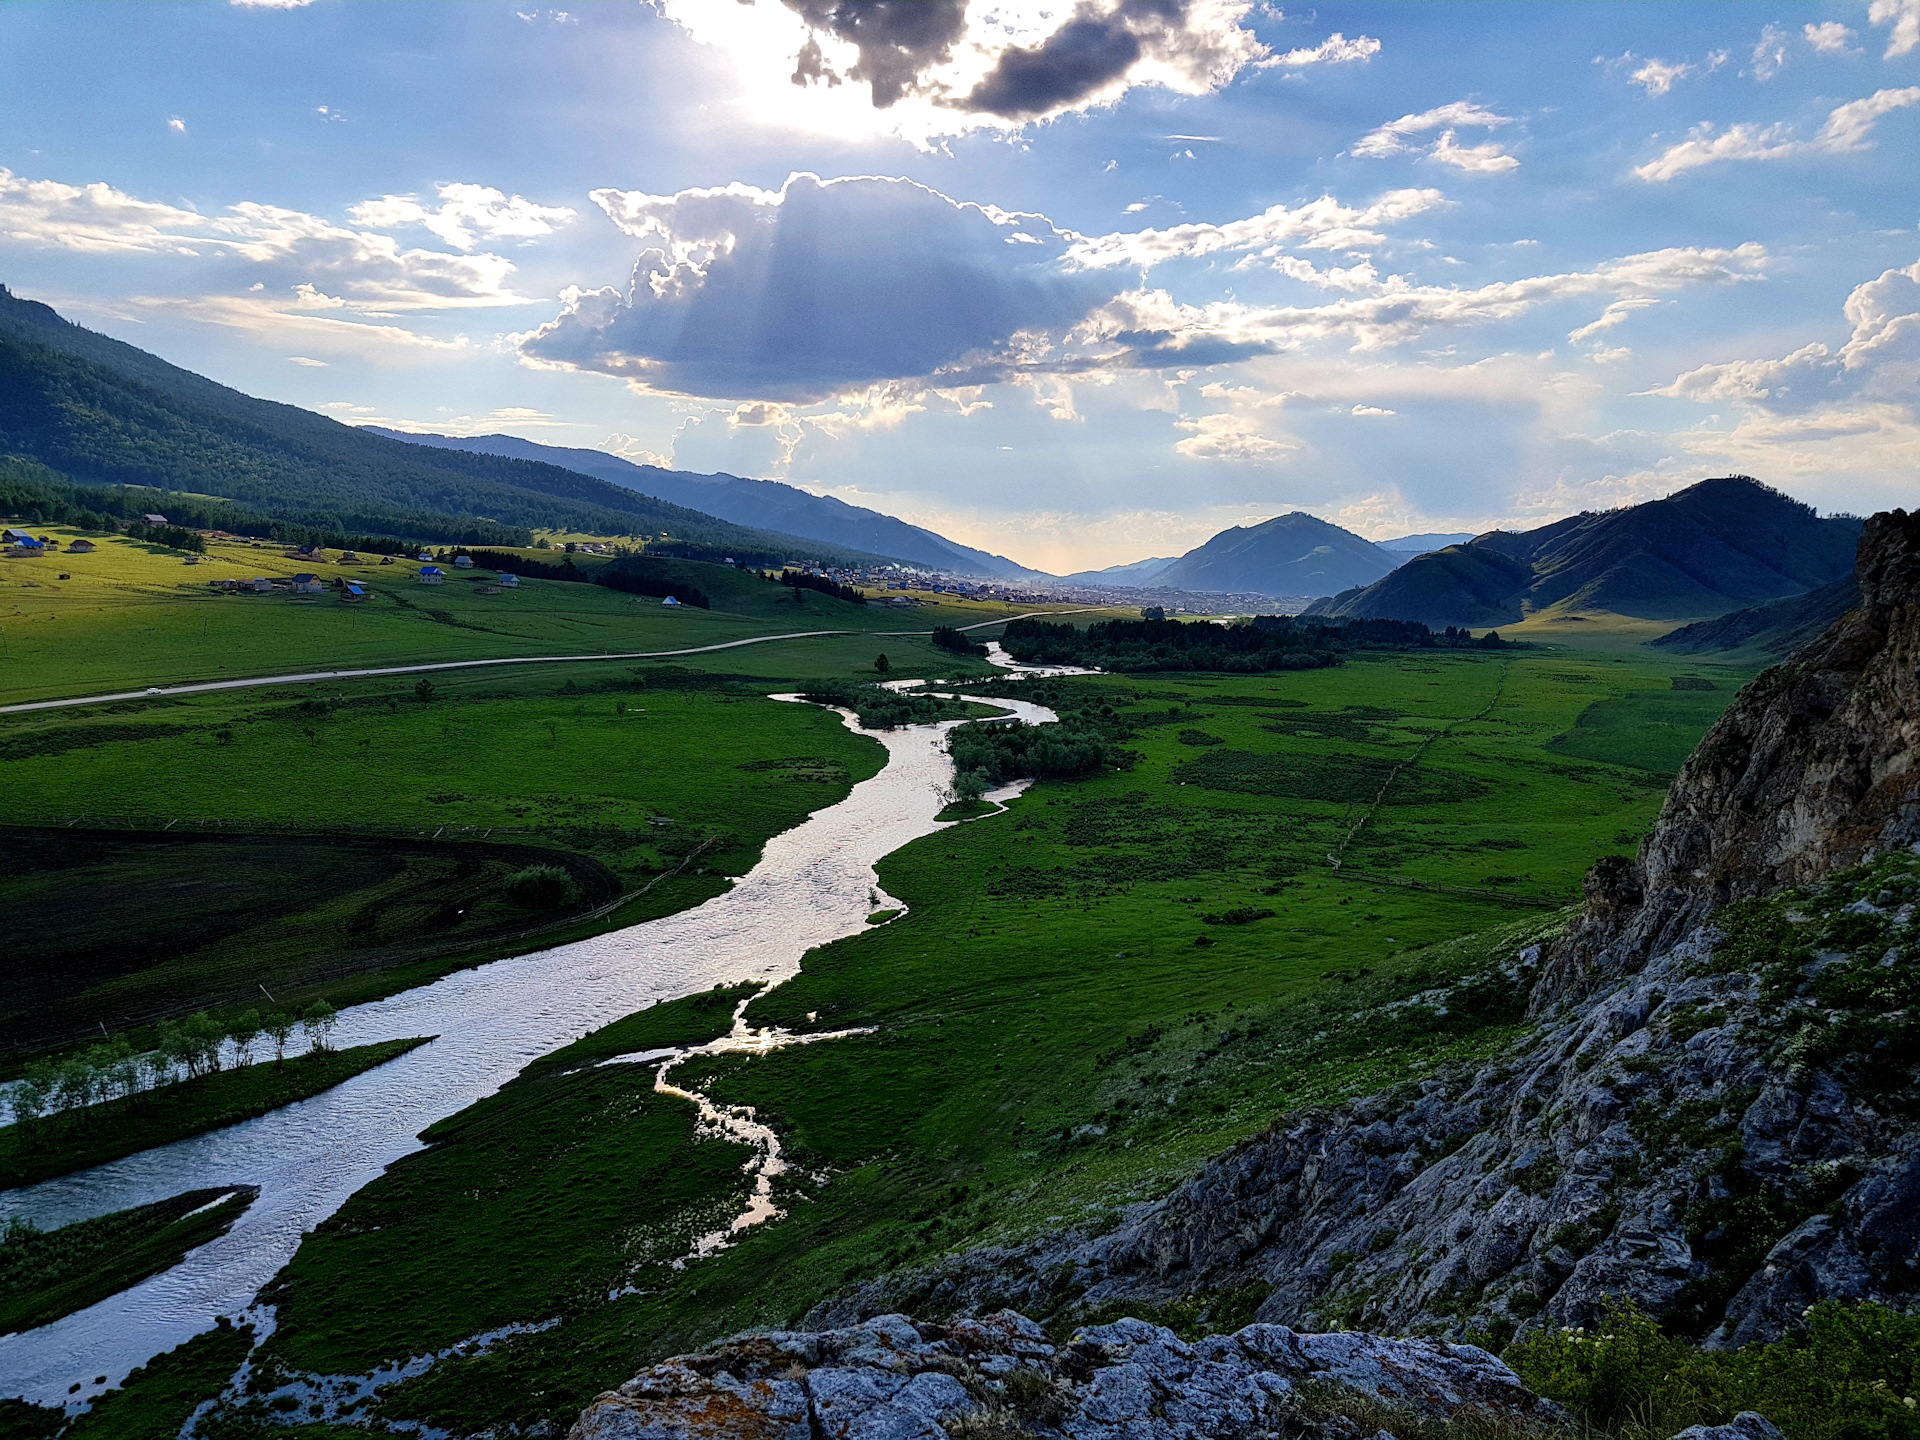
764, 504
1296, 554
1778, 627
1713, 547
1410, 545
1138, 573
104, 412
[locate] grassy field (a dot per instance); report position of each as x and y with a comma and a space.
133, 614
47, 1274
632, 776
70, 1140
1156, 962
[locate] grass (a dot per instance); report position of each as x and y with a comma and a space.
134, 615
1652, 730
47, 1274
67, 1141
631, 776
155, 1401
1084, 1052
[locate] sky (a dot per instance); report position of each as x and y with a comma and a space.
1076, 281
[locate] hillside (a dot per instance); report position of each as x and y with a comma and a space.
103, 412
1425, 543
1778, 627
1138, 573
763, 504
1296, 554
1713, 547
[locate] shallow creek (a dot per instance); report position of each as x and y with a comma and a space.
814, 883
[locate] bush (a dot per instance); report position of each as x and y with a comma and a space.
1851, 1372
540, 887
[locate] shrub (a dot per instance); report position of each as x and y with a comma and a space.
539, 887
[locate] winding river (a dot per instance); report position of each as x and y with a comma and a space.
814, 883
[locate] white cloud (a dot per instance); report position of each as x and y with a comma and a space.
1371, 410
286, 324
1904, 18
1849, 128
467, 214
1487, 159
1390, 139
1769, 53
1323, 224
270, 4
362, 267
176, 124
1336, 49
308, 361
1228, 436
1656, 77
1829, 37
945, 67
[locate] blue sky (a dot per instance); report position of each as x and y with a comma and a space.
1075, 280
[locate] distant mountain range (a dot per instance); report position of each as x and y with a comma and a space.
1411, 545
1138, 574
1716, 546
1295, 554
101, 412
762, 504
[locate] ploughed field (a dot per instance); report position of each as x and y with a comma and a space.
1087, 994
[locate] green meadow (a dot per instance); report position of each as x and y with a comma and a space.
1157, 961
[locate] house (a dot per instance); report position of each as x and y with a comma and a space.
26, 547
510, 582
347, 557
260, 585
81, 547
14, 537
306, 584
670, 601
463, 562
352, 593
424, 555
431, 575
154, 519
309, 552
386, 559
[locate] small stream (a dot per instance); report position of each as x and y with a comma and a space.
814, 883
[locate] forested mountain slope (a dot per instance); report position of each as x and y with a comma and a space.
765, 504
103, 412
1713, 547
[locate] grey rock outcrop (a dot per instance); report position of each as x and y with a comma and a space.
890, 1379
1719, 1126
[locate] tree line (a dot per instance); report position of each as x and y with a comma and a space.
1266, 643
183, 1050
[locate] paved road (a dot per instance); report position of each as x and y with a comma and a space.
313, 677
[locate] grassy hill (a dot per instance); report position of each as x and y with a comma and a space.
105, 413
1713, 547
1296, 554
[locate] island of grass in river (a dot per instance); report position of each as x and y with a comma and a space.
79, 1139
45, 1274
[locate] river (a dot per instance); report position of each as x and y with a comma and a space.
814, 883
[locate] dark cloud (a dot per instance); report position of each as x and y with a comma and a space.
898, 40
1078, 59
826, 286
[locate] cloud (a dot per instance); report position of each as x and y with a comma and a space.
270, 4
1336, 49
308, 361
1656, 77
467, 214
1904, 18
1371, 410
285, 323
1829, 37
1390, 138
1848, 129
1880, 361
1769, 53
1488, 159
366, 268
944, 67
1322, 224
1228, 436
813, 289
176, 124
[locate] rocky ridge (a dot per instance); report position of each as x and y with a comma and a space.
890, 1379
1716, 1115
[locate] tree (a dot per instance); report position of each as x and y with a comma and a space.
423, 691
279, 1027
204, 1036
318, 1021
880, 662
970, 785
74, 1083
243, 1030
32, 1092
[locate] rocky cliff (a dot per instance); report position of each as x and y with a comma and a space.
1716, 1113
